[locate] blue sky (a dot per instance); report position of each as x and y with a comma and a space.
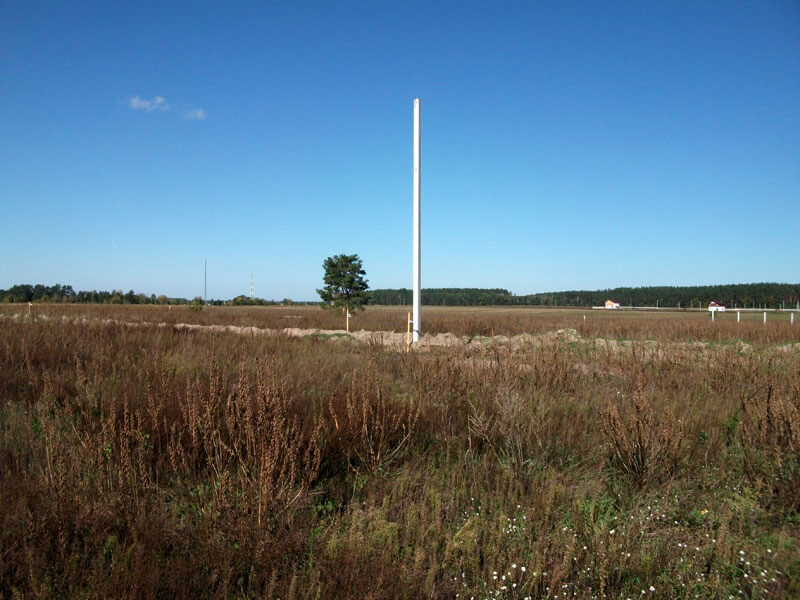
565, 145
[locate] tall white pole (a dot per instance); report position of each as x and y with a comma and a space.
417, 327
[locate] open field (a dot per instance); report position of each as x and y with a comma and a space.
662, 325
156, 461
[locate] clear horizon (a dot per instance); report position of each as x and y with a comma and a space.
316, 298
565, 146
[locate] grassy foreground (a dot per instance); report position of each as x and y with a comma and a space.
156, 462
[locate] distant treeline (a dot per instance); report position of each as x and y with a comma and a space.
758, 295
755, 295
65, 294
446, 297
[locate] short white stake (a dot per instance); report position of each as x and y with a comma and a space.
712, 315
791, 318
738, 316
765, 317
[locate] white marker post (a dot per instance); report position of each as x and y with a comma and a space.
738, 316
417, 327
765, 317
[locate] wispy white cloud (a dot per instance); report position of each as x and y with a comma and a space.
160, 104
195, 113
157, 103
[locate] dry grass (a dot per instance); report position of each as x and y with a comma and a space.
157, 462
686, 326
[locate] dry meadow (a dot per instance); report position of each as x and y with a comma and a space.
623, 455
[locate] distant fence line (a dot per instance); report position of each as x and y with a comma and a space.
687, 309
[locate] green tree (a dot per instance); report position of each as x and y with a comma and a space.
345, 286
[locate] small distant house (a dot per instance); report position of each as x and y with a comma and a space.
612, 304
716, 307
